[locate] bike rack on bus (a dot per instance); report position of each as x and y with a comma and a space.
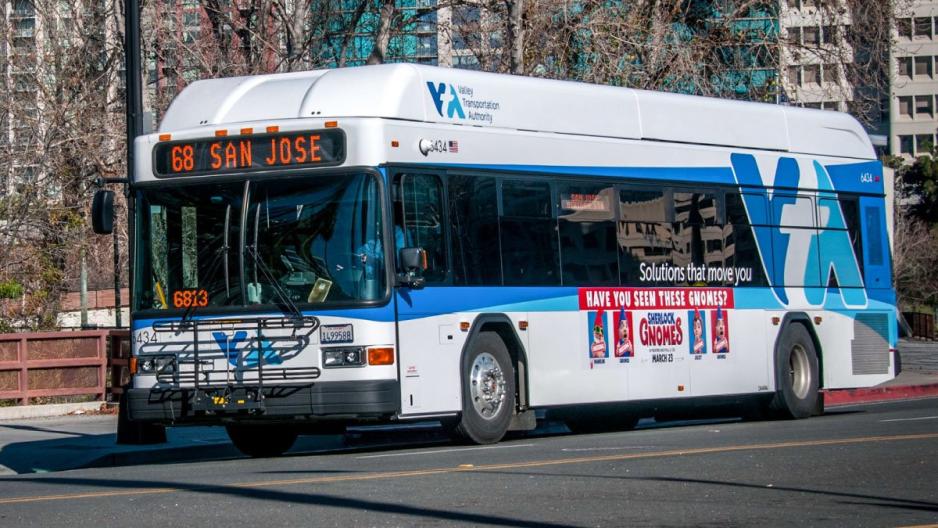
236, 392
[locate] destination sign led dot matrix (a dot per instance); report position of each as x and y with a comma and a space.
226, 154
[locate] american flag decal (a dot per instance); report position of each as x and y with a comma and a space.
454, 147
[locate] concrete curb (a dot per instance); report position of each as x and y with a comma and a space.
25, 412
837, 398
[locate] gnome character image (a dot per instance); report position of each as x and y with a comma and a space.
598, 347
624, 343
699, 345
721, 344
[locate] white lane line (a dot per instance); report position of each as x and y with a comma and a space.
438, 451
911, 419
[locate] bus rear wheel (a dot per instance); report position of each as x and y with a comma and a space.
488, 390
261, 441
796, 375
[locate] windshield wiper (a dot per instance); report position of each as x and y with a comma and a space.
287, 303
224, 248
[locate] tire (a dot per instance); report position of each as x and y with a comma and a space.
589, 423
133, 432
261, 441
796, 375
488, 390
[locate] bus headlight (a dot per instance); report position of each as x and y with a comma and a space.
335, 357
156, 364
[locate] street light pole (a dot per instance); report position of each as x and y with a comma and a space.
133, 97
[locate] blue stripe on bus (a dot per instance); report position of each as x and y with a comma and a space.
718, 175
434, 301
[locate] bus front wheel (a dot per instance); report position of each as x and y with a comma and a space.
260, 441
488, 390
796, 375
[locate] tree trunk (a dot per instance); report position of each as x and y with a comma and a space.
516, 36
383, 36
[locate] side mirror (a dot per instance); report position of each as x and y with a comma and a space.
413, 259
413, 263
102, 212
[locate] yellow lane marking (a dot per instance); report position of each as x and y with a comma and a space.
489, 467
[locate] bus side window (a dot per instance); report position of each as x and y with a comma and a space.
528, 235
586, 219
419, 221
851, 209
794, 217
698, 237
740, 251
837, 240
473, 210
644, 234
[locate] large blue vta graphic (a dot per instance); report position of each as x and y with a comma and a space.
230, 348
453, 107
829, 258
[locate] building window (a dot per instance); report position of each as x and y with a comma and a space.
794, 75
905, 106
922, 27
794, 35
906, 145
905, 66
812, 35
923, 105
830, 73
812, 74
904, 27
924, 143
827, 34
830, 105
923, 66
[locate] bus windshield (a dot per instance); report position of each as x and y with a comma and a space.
311, 240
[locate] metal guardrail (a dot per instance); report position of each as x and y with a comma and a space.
49, 364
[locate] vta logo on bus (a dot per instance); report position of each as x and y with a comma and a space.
229, 347
797, 253
453, 106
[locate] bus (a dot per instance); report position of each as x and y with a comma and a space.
391, 243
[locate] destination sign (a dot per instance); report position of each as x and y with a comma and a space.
228, 154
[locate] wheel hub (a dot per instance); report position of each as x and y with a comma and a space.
800, 371
487, 385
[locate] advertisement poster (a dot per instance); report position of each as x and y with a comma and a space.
721, 332
624, 349
656, 325
698, 336
598, 344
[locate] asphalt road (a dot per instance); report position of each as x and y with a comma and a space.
874, 465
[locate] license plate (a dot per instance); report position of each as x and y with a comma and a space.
332, 334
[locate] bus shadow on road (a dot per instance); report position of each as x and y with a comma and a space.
858, 499
256, 493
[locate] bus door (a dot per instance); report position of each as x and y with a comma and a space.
875, 243
429, 341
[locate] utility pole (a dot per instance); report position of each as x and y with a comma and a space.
133, 97
130, 432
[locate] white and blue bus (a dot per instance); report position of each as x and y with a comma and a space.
400, 242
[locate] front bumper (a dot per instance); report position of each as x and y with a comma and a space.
338, 400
